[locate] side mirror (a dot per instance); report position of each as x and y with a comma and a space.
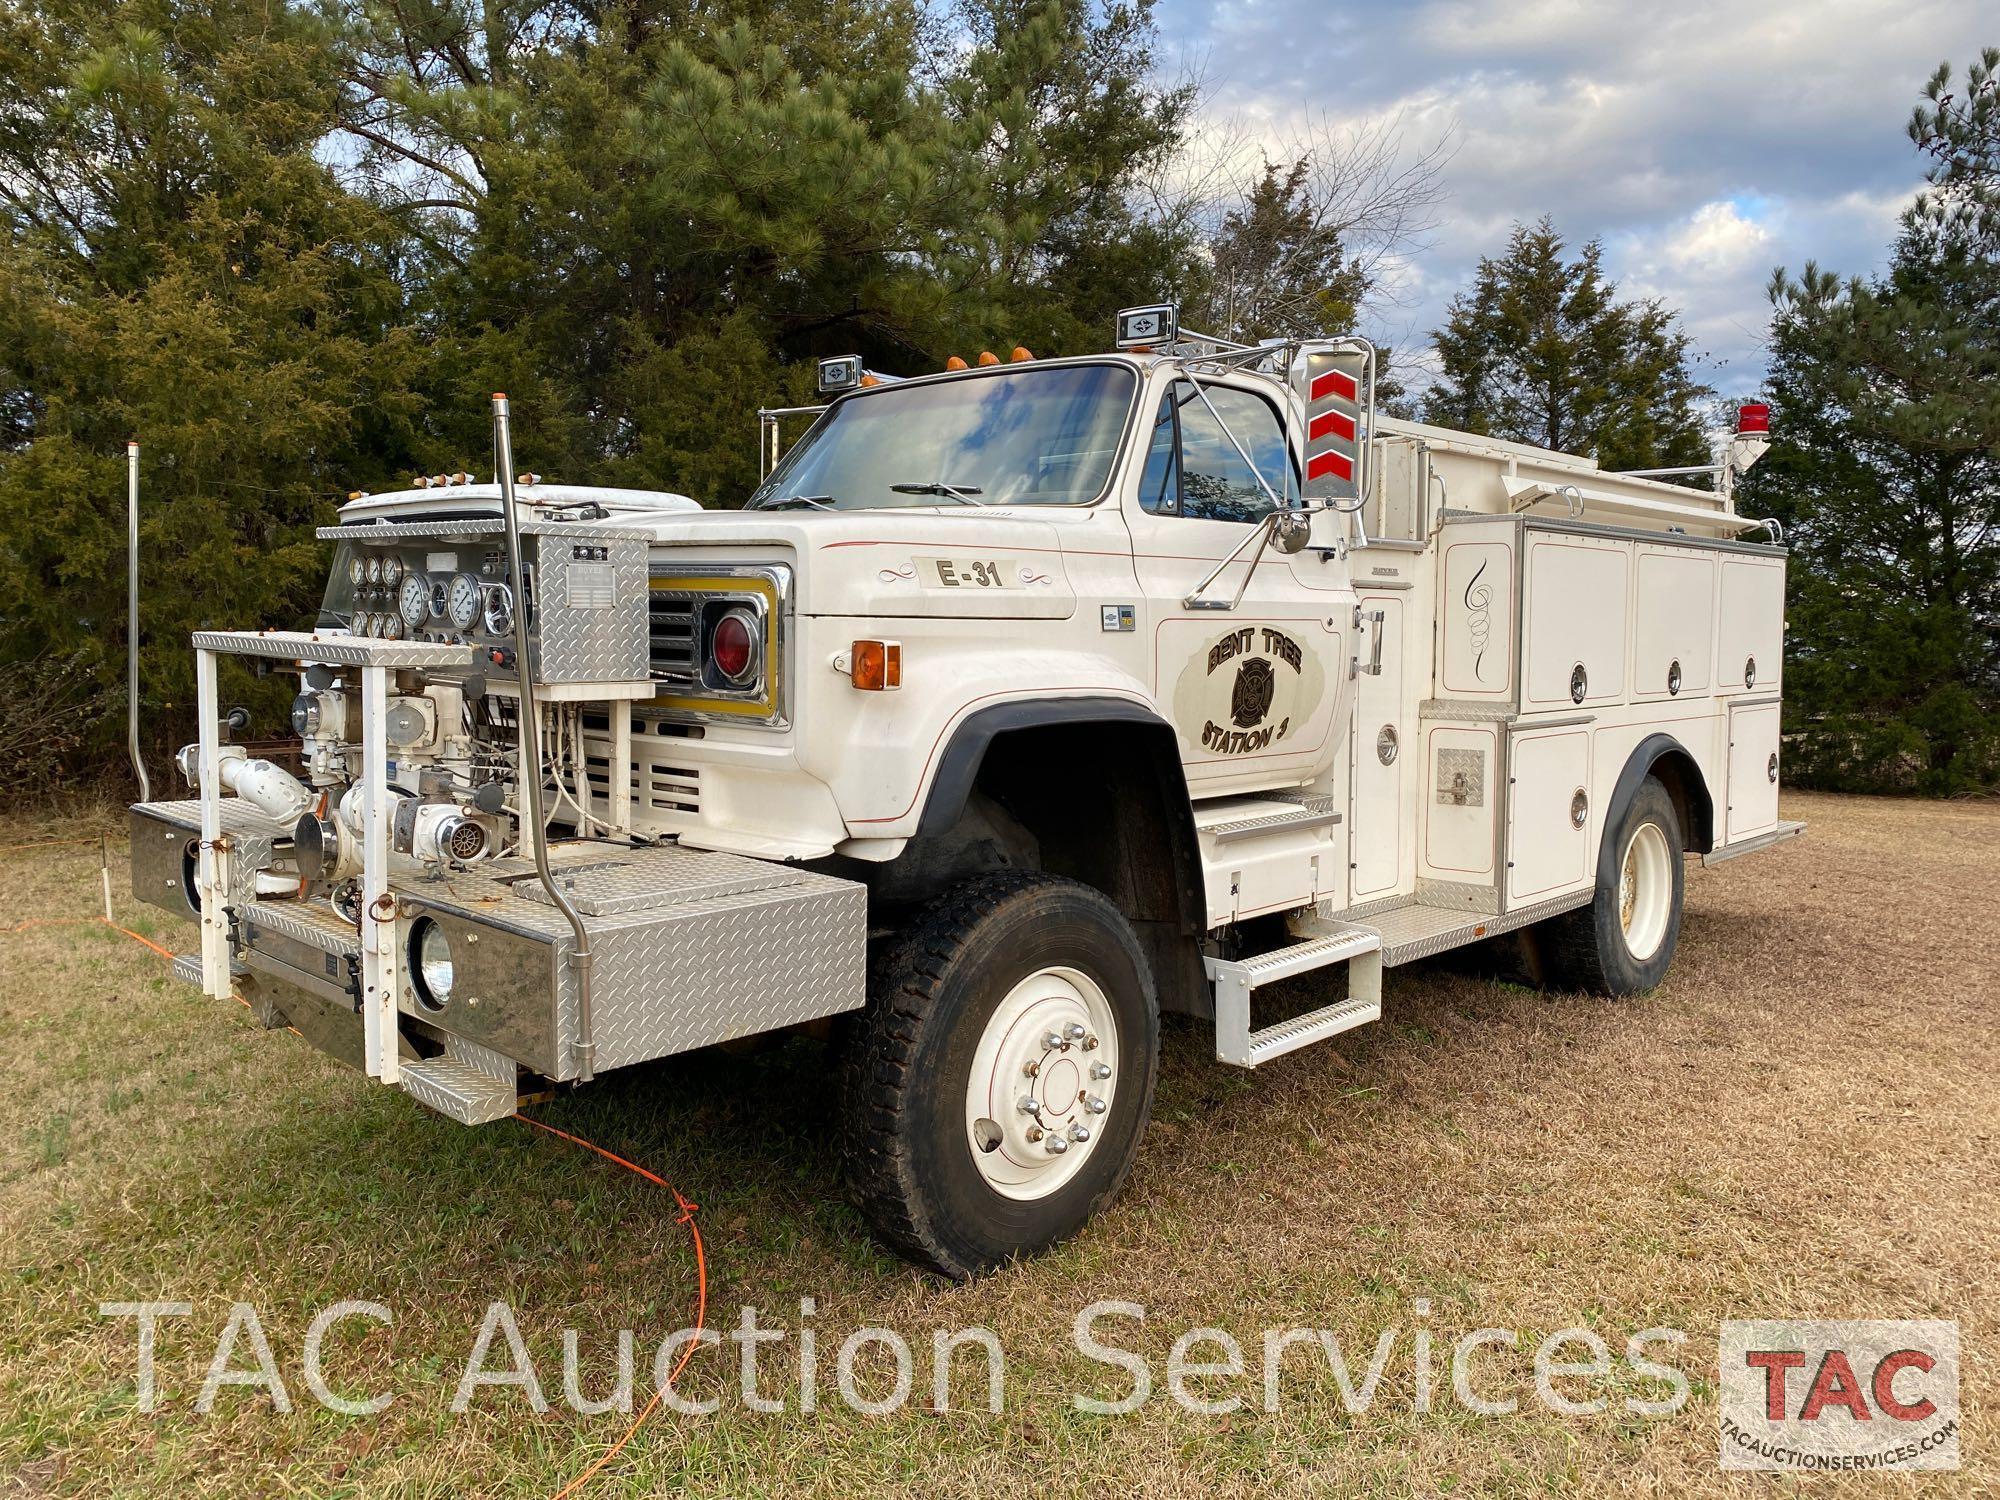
1291, 531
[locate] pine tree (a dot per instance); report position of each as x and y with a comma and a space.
1885, 468
1540, 350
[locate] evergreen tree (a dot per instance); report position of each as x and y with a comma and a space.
1885, 467
1540, 350
178, 265
1278, 267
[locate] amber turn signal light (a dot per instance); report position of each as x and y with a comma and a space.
875, 665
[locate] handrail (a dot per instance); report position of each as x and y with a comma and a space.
531, 743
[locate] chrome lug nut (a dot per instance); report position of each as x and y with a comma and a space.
1056, 1145
1094, 1104
1075, 1032
1031, 1106
1079, 1133
1053, 1040
1100, 1071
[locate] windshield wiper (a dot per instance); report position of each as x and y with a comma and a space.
962, 493
790, 502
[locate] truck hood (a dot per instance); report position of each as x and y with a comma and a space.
1002, 562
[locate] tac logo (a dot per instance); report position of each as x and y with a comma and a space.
1839, 1395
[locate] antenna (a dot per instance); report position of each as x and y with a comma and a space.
132, 617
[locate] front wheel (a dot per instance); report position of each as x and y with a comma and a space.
1622, 943
1000, 1079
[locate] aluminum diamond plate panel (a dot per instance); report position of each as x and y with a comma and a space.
469, 526
592, 620
668, 878
163, 833
1412, 932
335, 648
313, 922
687, 970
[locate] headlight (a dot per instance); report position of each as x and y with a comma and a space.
733, 647
430, 964
305, 714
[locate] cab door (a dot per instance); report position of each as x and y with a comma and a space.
1251, 690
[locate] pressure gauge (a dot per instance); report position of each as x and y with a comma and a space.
440, 595
357, 570
462, 605
374, 570
392, 570
414, 602
498, 615
392, 627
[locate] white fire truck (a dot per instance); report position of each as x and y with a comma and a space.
1019, 705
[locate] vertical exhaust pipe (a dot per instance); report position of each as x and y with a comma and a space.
531, 740
132, 617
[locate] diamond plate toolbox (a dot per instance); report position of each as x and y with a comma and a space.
688, 949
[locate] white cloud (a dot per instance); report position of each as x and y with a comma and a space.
1705, 143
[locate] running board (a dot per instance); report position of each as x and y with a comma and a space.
1236, 979
1751, 845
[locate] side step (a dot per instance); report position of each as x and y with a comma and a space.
1236, 979
1267, 812
471, 1084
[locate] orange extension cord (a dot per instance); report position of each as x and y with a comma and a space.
687, 1209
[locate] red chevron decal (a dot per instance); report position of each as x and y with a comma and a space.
1330, 424
1337, 465
1335, 383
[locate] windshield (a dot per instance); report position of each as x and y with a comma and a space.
1026, 435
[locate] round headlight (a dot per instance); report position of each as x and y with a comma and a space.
430, 964
733, 646
305, 714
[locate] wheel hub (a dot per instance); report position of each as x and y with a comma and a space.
1043, 1078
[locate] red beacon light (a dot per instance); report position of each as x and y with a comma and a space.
1753, 419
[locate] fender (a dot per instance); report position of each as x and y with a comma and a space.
1170, 928
958, 768
1684, 782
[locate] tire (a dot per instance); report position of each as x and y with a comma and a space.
1613, 947
970, 989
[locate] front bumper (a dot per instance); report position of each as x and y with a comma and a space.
689, 949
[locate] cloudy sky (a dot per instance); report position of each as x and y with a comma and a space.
1705, 143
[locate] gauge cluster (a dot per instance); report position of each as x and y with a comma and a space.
412, 593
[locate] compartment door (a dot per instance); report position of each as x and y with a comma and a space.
1378, 754
1753, 771
1548, 815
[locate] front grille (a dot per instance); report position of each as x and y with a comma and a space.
672, 636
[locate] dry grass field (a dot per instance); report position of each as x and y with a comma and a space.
1805, 1120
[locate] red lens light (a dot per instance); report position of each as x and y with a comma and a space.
1754, 418
733, 648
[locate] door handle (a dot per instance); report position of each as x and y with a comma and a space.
1374, 667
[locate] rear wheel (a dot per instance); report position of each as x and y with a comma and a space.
1622, 943
999, 1082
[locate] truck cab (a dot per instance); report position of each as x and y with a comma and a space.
1019, 704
